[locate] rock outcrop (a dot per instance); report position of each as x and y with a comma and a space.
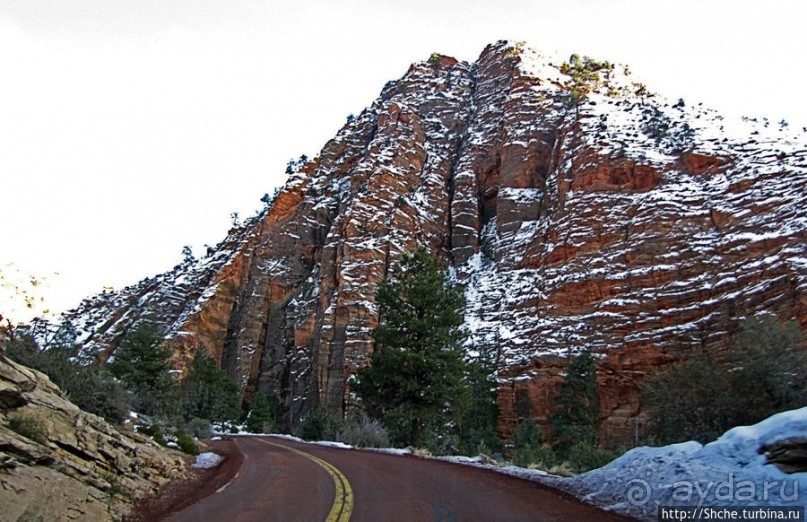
59, 463
615, 221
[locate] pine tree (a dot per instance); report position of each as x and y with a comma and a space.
415, 382
264, 417
144, 367
764, 372
766, 369
208, 392
575, 419
688, 401
482, 413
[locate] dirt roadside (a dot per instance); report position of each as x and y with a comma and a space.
179, 494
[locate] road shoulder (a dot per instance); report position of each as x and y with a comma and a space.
179, 494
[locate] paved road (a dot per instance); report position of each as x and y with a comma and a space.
287, 481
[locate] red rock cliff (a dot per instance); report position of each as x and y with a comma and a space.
616, 222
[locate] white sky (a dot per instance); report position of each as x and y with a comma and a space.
129, 128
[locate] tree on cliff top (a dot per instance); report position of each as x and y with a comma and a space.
415, 383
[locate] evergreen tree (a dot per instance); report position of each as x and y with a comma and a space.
208, 392
264, 417
575, 419
415, 383
482, 413
527, 444
686, 401
144, 367
764, 372
86, 385
767, 369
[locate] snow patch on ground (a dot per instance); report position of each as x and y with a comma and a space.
207, 460
727, 472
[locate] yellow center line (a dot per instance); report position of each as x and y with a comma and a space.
343, 500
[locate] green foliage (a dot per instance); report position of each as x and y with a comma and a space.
186, 443
320, 424
677, 136
363, 432
199, 428
767, 368
30, 425
584, 457
478, 428
208, 392
523, 406
434, 58
143, 366
416, 382
686, 401
91, 388
575, 419
528, 447
764, 372
265, 415
116, 487
154, 432
585, 77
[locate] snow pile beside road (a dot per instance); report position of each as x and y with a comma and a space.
207, 460
727, 472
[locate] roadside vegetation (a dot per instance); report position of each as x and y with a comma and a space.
763, 372
420, 389
138, 379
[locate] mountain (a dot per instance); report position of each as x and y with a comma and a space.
579, 209
60, 463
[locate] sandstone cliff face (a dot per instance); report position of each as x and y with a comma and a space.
622, 223
68, 464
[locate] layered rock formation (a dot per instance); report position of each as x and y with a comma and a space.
579, 210
60, 463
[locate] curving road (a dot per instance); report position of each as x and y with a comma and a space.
287, 481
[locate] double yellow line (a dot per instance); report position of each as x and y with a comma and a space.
343, 500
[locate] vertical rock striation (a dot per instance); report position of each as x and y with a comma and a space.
618, 222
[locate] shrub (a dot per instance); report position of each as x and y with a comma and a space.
767, 369
199, 428
186, 443
154, 432
320, 424
528, 447
764, 372
363, 432
30, 425
92, 390
584, 456
685, 402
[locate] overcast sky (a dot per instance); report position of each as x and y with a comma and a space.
130, 128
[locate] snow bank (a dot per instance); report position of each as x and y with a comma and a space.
727, 472
207, 460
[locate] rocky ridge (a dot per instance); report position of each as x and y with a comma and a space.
615, 220
60, 463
